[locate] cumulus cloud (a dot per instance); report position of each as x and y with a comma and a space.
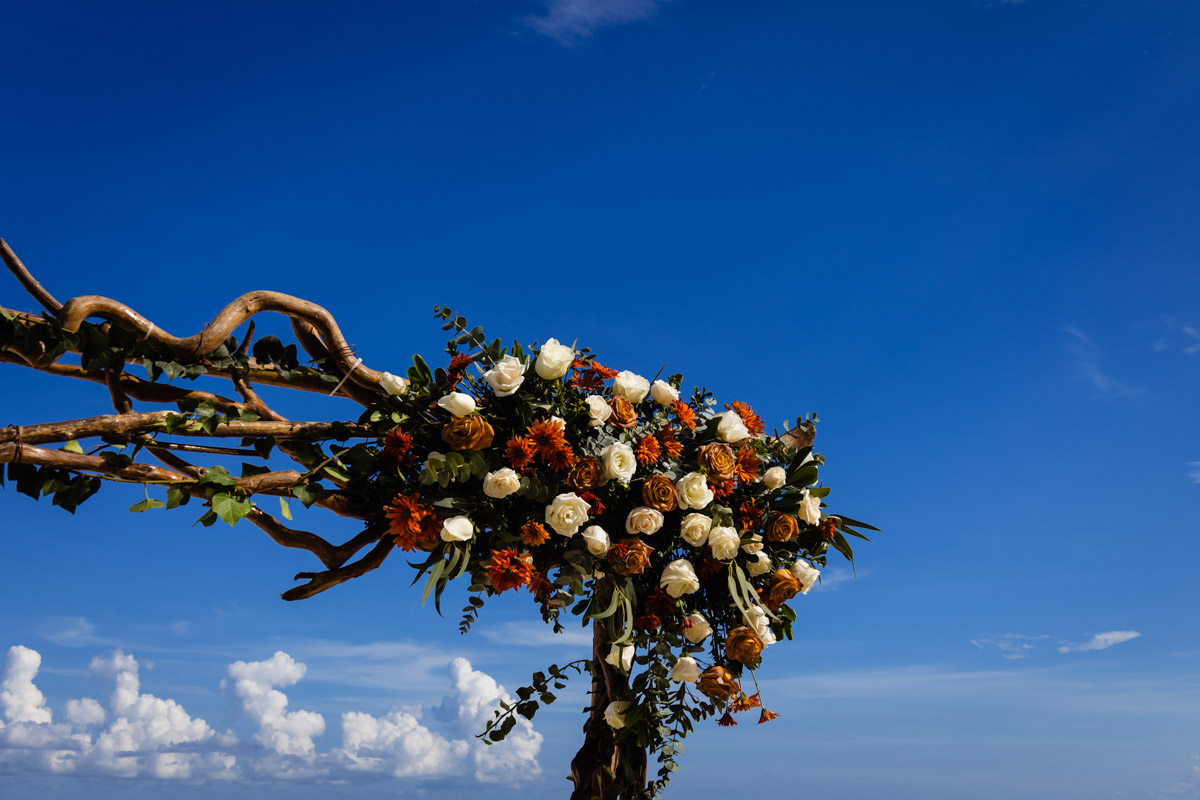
570, 22
1101, 641
139, 734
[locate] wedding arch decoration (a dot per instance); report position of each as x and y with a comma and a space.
673, 524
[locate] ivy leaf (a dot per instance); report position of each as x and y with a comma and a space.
146, 505
308, 493
230, 508
219, 476
177, 497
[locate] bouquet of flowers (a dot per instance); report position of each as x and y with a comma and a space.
678, 528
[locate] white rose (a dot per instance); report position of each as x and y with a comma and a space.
559, 423
598, 409
693, 491
731, 428
686, 670
434, 455
643, 520
567, 513
756, 618
774, 478
806, 573
458, 404
700, 629
810, 508
457, 529
724, 543
679, 578
501, 483
694, 529
621, 657
554, 360
614, 715
664, 393
619, 462
506, 377
761, 564
596, 539
631, 386
754, 545
393, 384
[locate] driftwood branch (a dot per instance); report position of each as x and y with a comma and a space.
35, 289
320, 581
155, 422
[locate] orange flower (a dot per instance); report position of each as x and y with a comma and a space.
468, 433
458, 365
721, 489
743, 645
747, 465
623, 415
685, 415
727, 720
397, 447
647, 622
717, 683
409, 521
660, 602
546, 437
753, 422
749, 516
561, 459
519, 452
534, 533
595, 507
744, 703
539, 585
784, 586
508, 570
670, 445
766, 716
647, 450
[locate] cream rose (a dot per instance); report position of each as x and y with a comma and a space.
756, 618
631, 386
643, 520
699, 630
686, 670
694, 529
554, 360
393, 384
619, 462
806, 573
501, 483
598, 409
774, 478
723, 542
458, 404
457, 529
506, 377
679, 578
434, 455
810, 508
664, 393
693, 491
614, 715
596, 539
754, 545
566, 513
621, 657
760, 564
731, 428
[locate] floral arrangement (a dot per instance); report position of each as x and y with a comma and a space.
682, 528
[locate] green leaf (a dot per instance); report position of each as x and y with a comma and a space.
608, 612
176, 497
434, 574
219, 476
73, 447
308, 493
146, 505
337, 474
283, 508
230, 508
856, 523
842, 546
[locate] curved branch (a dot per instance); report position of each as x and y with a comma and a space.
39, 293
78, 309
320, 581
153, 421
105, 464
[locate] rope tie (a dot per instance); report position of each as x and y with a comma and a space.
149, 331
342, 383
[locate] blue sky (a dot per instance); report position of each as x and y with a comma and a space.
962, 231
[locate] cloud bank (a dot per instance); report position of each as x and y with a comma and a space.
133, 734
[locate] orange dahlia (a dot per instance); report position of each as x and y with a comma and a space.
406, 520
547, 438
534, 533
685, 415
727, 720
508, 570
519, 452
647, 450
397, 447
721, 489
766, 716
744, 703
561, 460
753, 422
670, 445
746, 468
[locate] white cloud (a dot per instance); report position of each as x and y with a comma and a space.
20, 700
570, 22
1193, 471
534, 634
71, 632
1087, 356
1101, 641
155, 737
1011, 645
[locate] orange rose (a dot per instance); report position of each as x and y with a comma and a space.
743, 645
782, 527
717, 683
623, 413
784, 586
718, 459
586, 474
468, 433
658, 492
630, 556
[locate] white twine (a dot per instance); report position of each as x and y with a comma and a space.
149, 331
357, 361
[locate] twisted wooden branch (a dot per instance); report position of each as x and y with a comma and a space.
155, 421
